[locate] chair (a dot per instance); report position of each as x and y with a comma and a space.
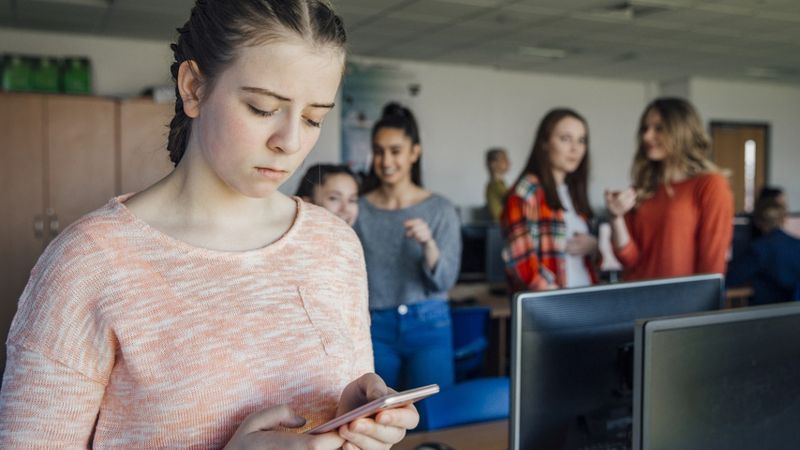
470, 340
477, 400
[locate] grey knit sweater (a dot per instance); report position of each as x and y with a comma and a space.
396, 269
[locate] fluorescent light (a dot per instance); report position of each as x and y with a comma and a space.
543, 52
663, 3
480, 3
92, 3
762, 72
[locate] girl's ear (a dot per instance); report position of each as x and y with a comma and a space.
416, 151
190, 85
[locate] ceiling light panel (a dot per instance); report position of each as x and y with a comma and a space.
449, 11
159, 7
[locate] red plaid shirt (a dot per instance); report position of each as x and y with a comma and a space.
535, 239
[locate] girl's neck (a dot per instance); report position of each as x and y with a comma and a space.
193, 200
397, 196
559, 176
675, 175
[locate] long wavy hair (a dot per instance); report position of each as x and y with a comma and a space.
687, 145
539, 164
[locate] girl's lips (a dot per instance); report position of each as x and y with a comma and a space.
270, 173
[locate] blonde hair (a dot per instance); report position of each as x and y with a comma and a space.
687, 144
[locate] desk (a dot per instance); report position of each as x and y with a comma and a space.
500, 307
500, 304
737, 296
480, 436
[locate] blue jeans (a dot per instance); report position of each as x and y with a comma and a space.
413, 344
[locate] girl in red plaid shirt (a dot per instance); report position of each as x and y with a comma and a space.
546, 213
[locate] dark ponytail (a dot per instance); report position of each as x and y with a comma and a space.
399, 117
216, 29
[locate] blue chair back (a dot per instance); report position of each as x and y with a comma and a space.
470, 340
477, 400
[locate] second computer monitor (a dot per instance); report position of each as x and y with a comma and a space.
572, 358
726, 380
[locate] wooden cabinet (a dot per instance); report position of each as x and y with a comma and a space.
61, 157
80, 156
22, 227
143, 132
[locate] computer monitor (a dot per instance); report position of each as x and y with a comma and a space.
726, 380
495, 267
572, 358
473, 253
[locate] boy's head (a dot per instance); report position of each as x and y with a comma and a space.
497, 161
769, 214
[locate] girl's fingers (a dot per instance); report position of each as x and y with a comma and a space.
368, 435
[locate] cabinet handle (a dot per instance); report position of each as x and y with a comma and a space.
38, 226
54, 225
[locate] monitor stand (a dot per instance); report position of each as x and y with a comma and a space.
607, 429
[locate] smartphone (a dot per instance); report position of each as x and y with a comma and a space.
389, 401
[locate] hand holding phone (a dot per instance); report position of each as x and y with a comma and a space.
389, 401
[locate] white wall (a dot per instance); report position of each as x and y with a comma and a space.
462, 111
121, 67
778, 105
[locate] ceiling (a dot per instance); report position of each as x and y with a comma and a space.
635, 39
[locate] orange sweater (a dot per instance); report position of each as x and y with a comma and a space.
683, 234
149, 342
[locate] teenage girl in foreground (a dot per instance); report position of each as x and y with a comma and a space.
209, 310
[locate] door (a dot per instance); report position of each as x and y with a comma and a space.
21, 199
143, 132
80, 164
742, 149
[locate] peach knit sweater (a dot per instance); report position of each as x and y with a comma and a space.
144, 341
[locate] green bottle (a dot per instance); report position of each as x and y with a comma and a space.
77, 76
16, 73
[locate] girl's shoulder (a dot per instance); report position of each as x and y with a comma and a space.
320, 225
711, 183
527, 186
438, 201
101, 229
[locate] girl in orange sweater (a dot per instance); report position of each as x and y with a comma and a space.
677, 219
209, 310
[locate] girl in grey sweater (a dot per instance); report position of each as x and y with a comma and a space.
412, 246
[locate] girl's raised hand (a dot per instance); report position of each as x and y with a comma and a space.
418, 230
620, 202
257, 431
581, 244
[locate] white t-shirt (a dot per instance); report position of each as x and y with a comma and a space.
577, 275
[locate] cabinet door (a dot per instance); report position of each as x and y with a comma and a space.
21, 199
80, 164
143, 132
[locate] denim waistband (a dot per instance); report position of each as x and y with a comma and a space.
419, 309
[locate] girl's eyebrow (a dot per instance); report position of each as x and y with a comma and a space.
283, 98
